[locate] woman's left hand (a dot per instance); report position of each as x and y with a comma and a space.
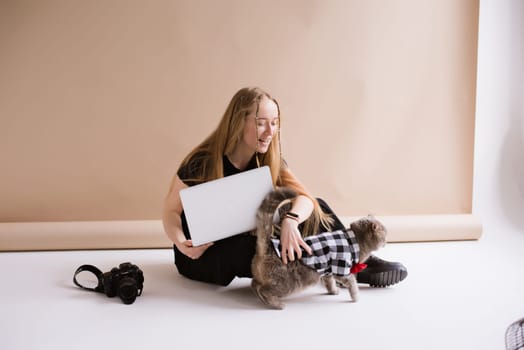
291, 241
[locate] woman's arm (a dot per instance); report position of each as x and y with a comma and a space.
173, 223
290, 236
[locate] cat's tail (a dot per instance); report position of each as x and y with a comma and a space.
266, 213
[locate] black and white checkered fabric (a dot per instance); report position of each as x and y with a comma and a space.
333, 252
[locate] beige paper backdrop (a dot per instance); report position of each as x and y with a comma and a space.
100, 100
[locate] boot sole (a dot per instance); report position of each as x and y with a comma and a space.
383, 279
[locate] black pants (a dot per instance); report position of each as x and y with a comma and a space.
230, 257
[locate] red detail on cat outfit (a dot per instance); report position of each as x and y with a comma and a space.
356, 268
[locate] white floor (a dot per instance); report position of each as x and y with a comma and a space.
458, 295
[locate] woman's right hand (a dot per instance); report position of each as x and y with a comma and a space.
187, 248
173, 223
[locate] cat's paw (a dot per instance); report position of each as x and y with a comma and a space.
331, 286
333, 291
273, 303
354, 296
268, 300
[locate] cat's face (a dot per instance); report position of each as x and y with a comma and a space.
371, 231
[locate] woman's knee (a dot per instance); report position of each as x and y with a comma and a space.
337, 223
208, 268
324, 206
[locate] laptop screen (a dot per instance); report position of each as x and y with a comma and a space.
225, 207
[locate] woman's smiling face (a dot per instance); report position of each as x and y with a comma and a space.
259, 129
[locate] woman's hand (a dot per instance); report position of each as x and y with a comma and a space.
291, 241
186, 247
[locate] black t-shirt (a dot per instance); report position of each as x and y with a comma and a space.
187, 175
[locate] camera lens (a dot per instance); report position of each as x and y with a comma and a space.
127, 290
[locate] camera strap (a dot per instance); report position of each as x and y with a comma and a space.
94, 270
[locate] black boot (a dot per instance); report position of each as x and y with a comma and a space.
382, 273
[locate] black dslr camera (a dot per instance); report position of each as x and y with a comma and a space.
126, 281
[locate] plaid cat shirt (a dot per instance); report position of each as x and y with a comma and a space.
333, 252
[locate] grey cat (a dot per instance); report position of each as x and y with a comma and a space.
273, 280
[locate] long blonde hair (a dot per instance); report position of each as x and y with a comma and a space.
225, 138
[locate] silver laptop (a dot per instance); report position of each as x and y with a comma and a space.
225, 207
